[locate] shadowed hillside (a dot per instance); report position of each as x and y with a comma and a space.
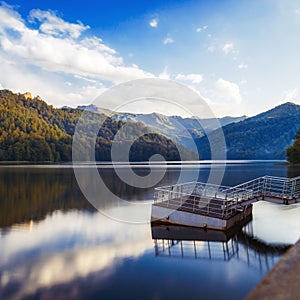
32, 130
265, 136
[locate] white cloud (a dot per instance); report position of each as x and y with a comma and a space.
199, 29
211, 48
10, 19
53, 25
153, 23
168, 40
164, 74
58, 46
227, 48
242, 66
290, 95
193, 78
51, 87
228, 91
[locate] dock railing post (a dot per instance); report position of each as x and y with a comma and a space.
284, 191
263, 192
293, 188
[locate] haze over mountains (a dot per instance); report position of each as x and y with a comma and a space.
264, 136
31, 130
180, 130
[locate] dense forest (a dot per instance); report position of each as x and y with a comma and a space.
293, 152
264, 136
32, 130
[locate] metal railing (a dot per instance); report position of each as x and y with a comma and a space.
197, 197
267, 186
223, 201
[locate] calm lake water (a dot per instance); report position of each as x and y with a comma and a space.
55, 245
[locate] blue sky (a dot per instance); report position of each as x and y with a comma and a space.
242, 57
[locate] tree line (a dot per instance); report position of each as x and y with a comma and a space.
293, 152
32, 130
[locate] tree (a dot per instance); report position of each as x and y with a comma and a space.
32, 130
293, 152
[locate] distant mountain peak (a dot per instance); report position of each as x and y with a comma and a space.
288, 103
90, 107
282, 106
264, 136
285, 105
283, 110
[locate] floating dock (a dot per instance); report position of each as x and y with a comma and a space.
203, 205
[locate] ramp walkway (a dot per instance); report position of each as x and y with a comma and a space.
224, 202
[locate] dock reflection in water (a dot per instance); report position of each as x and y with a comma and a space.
175, 241
54, 244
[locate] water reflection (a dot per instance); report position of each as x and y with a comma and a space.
54, 244
174, 241
185, 242
29, 193
65, 248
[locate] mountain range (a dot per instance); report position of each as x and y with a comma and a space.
264, 136
32, 130
180, 130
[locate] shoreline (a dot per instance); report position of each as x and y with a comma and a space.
282, 282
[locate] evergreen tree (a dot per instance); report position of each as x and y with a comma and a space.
293, 152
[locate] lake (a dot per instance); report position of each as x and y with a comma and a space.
54, 244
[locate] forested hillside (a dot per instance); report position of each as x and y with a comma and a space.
32, 130
265, 136
293, 152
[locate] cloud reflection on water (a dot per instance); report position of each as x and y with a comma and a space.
60, 249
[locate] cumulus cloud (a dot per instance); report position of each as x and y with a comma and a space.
10, 19
50, 24
228, 91
153, 23
164, 74
193, 78
168, 40
227, 48
56, 89
59, 46
199, 29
